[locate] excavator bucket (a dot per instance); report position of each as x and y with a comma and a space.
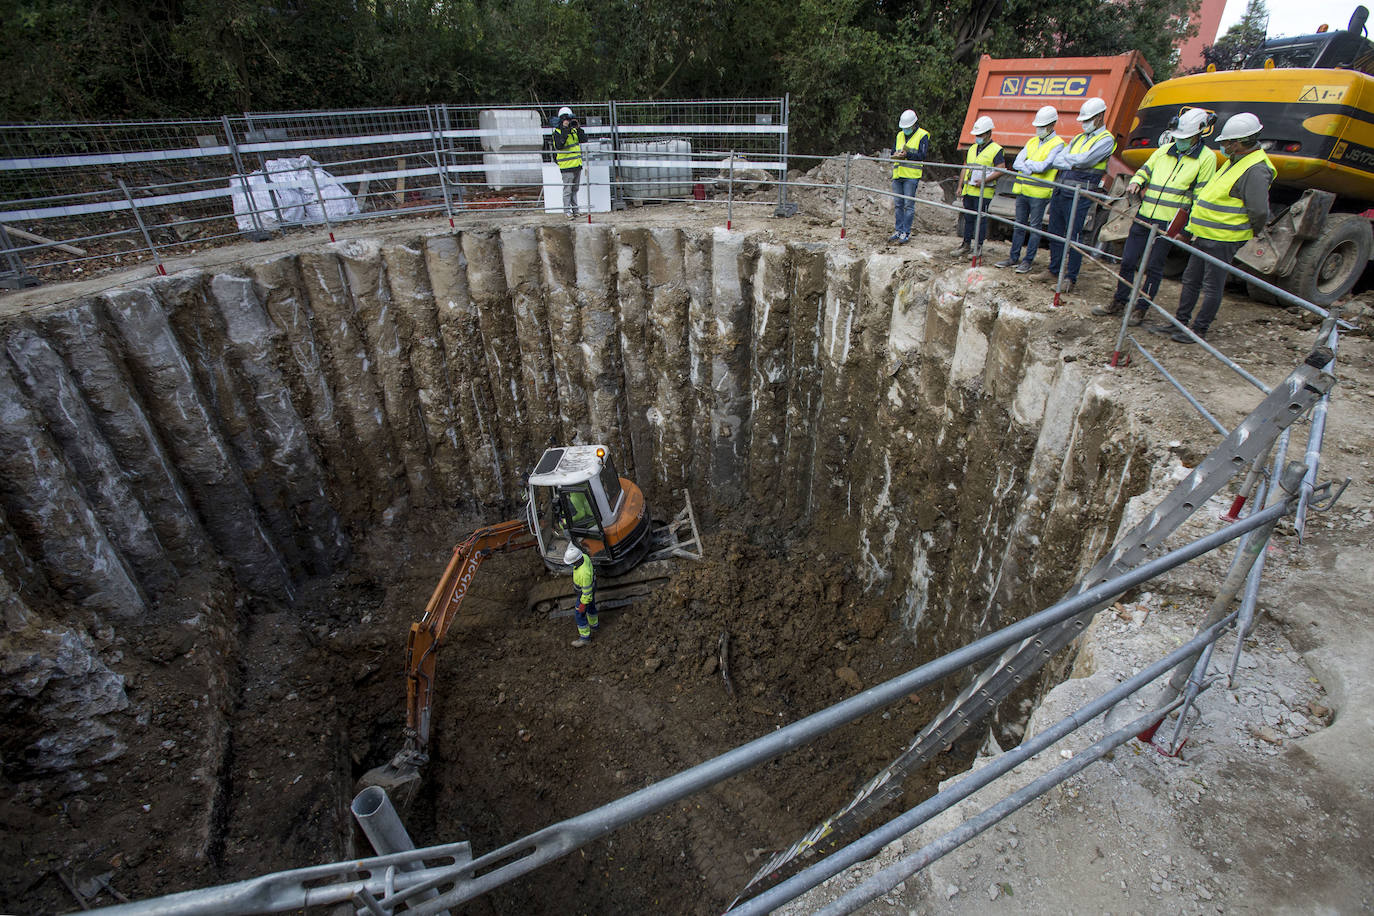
400, 777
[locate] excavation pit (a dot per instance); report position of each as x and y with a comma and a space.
228, 492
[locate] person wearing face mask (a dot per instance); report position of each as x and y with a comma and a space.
1165, 186
1032, 192
1082, 164
908, 152
979, 183
1227, 213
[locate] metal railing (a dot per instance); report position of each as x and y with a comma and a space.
394, 882
406, 881
120, 192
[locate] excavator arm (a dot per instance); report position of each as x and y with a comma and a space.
422, 646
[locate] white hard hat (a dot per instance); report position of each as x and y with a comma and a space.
1046, 116
908, 119
572, 554
565, 110
1091, 109
1240, 127
1190, 123
982, 125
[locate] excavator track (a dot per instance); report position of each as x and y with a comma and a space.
557, 597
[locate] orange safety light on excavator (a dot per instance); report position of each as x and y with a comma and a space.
1322, 28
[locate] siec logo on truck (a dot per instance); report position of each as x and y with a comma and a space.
1045, 85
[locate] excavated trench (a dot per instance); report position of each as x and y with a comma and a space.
224, 495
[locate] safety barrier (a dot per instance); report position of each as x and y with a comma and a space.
407, 880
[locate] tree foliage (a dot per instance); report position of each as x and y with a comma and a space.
1241, 40
849, 65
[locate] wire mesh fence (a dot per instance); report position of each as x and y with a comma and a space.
132, 191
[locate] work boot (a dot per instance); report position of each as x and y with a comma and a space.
1162, 328
581, 641
1137, 318
1182, 337
1114, 308
895, 237
963, 249
1024, 267
1005, 262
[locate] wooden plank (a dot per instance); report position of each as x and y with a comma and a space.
30, 237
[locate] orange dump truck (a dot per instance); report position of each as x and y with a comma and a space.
1012, 91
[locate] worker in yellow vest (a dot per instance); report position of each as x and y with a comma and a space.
979, 180
584, 581
568, 138
908, 152
1082, 164
1033, 189
1227, 213
1165, 187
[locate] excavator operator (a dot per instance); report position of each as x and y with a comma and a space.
584, 580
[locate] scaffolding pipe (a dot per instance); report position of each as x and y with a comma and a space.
904, 868
868, 845
1188, 396
1246, 555
557, 840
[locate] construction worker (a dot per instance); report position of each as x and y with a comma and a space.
979, 183
1033, 193
1082, 164
584, 580
1165, 187
568, 138
1227, 213
909, 147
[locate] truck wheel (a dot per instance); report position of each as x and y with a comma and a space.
1262, 296
1330, 265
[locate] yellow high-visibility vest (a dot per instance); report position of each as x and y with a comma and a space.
985, 156
1038, 185
1170, 181
900, 169
1216, 214
1084, 142
570, 156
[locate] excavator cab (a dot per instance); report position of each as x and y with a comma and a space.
576, 495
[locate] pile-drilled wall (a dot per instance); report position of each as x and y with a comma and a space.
248, 419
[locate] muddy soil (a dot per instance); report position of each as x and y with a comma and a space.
529, 730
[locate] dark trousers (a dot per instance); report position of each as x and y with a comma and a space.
1030, 211
973, 204
1069, 225
1130, 260
1207, 278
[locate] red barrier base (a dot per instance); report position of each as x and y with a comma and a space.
1233, 514
1119, 360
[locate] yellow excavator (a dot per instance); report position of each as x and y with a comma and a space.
573, 495
1314, 94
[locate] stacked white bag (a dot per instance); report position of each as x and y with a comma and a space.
285, 194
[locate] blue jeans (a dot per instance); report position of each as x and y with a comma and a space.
1061, 224
904, 189
972, 204
1130, 260
1030, 211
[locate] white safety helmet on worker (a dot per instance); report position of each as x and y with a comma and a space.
1046, 116
565, 111
1091, 109
1190, 124
908, 119
982, 126
1243, 126
572, 555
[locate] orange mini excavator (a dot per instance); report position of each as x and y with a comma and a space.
573, 495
